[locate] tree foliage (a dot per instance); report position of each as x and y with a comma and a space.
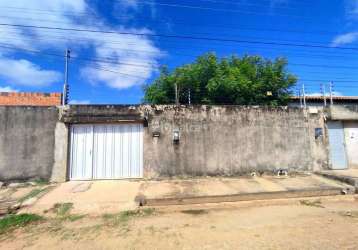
249, 80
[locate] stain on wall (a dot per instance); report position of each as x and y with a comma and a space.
231, 140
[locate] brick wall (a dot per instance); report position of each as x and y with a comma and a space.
30, 99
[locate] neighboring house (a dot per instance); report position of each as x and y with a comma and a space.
342, 126
318, 101
30, 99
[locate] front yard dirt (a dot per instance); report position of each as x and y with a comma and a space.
293, 224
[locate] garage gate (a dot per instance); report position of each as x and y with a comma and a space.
106, 151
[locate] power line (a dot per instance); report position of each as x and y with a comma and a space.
146, 66
80, 58
116, 72
268, 2
151, 66
201, 33
48, 38
329, 80
216, 9
179, 37
244, 4
181, 22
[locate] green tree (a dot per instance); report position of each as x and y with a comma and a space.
250, 80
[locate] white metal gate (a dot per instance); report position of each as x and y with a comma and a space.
106, 151
337, 145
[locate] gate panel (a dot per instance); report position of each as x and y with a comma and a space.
337, 145
81, 152
117, 151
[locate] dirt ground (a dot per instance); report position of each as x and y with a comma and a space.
286, 224
98, 197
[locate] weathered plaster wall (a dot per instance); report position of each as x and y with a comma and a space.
27, 142
59, 170
214, 140
343, 113
231, 140
218, 140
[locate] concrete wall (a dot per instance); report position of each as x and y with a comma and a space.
214, 140
231, 140
343, 113
27, 142
218, 140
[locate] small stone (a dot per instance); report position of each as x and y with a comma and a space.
29, 202
1, 184
16, 185
82, 187
15, 206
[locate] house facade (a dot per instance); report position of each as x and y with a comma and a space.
116, 142
90, 142
342, 126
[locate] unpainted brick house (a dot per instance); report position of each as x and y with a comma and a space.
30, 99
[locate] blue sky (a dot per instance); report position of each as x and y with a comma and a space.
111, 68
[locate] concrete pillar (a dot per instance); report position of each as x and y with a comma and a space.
59, 170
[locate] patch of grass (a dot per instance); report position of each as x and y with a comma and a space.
32, 194
74, 217
35, 192
195, 211
13, 221
148, 211
63, 209
41, 182
125, 216
316, 203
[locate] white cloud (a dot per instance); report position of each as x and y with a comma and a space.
351, 7
132, 61
351, 11
80, 102
8, 89
123, 50
129, 4
23, 72
345, 39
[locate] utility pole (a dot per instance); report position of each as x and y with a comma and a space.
176, 94
323, 90
304, 95
189, 98
331, 92
324, 95
65, 93
300, 95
